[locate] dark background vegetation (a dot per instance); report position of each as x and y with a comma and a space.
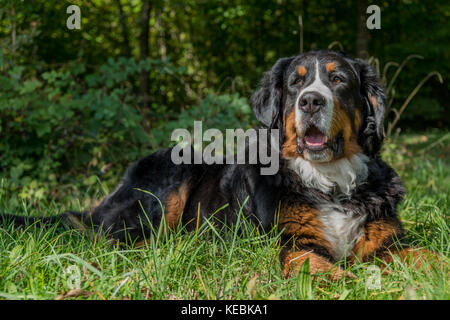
79, 105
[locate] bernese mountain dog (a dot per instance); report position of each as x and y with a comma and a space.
333, 197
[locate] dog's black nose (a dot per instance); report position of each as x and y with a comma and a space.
311, 102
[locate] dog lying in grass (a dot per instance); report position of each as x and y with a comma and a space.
334, 198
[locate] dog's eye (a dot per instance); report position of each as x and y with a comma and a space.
298, 81
337, 79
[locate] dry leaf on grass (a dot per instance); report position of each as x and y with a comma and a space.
252, 287
74, 293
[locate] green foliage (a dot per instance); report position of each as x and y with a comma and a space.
70, 122
303, 285
62, 119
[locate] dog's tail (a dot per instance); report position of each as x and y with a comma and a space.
65, 219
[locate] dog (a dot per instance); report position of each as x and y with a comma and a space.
333, 197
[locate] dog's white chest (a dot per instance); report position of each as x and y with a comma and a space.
341, 228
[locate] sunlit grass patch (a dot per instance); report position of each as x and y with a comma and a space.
49, 263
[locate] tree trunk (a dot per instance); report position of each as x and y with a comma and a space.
160, 34
362, 50
13, 30
126, 50
160, 41
144, 50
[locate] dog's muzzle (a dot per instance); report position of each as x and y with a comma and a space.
313, 124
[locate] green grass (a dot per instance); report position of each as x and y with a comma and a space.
45, 263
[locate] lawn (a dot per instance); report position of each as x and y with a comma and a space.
49, 264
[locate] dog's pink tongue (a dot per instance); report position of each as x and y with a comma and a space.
315, 138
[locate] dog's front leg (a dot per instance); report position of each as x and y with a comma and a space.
303, 239
381, 239
292, 260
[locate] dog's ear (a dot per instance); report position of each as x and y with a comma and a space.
267, 100
371, 133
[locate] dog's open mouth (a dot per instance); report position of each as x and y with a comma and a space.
314, 139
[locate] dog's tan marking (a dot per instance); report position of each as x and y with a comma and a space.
372, 244
375, 236
422, 259
330, 66
341, 123
142, 243
357, 119
174, 206
301, 70
289, 147
373, 101
302, 221
292, 262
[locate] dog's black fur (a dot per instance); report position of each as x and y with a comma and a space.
127, 213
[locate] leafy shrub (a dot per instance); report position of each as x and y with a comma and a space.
66, 121
68, 126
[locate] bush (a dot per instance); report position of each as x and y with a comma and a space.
68, 126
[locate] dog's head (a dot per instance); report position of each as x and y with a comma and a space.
327, 105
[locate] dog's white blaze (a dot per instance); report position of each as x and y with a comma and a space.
320, 87
344, 173
341, 228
